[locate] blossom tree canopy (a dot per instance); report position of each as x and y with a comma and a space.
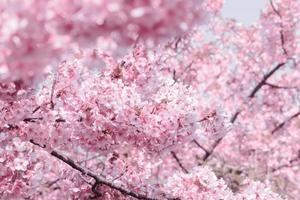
148, 99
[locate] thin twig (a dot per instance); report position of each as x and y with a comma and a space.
36, 109
275, 10
278, 87
279, 126
281, 26
51, 183
37, 144
52, 91
290, 164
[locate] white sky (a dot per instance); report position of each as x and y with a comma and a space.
244, 11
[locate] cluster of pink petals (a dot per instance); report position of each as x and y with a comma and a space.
96, 102
202, 183
37, 34
120, 112
43, 178
126, 20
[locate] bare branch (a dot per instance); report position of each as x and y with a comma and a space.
212, 149
291, 163
95, 191
51, 183
32, 119
279, 126
257, 88
278, 87
216, 143
283, 42
91, 174
265, 78
275, 10
122, 174
236, 114
179, 163
200, 146
281, 25
36, 109
52, 90
37, 144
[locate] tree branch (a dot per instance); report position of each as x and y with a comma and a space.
200, 146
268, 75
258, 87
290, 164
216, 143
95, 191
279, 126
97, 179
278, 87
275, 10
179, 163
52, 89
281, 25
236, 114
265, 78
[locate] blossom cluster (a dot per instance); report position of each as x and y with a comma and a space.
98, 104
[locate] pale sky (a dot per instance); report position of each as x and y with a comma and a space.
244, 11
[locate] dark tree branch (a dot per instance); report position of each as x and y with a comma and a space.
236, 114
278, 87
291, 163
178, 40
188, 66
52, 90
60, 120
179, 163
265, 78
279, 126
98, 180
281, 25
32, 119
200, 146
36, 109
174, 77
51, 183
95, 191
275, 10
277, 67
283, 42
216, 143
37, 144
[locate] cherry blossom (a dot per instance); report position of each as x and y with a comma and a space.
148, 99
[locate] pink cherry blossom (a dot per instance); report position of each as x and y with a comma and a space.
149, 99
